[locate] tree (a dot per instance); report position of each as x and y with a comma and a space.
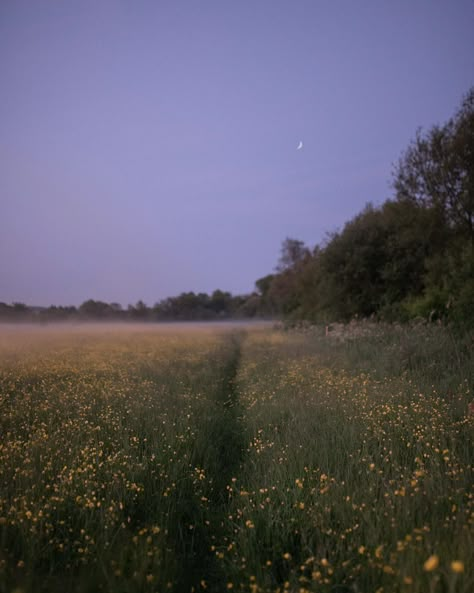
352, 266
292, 253
437, 173
263, 287
462, 163
140, 311
220, 302
437, 170
95, 309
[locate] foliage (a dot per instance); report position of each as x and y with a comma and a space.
411, 256
187, 306
211, 460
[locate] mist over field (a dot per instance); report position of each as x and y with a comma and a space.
95, 327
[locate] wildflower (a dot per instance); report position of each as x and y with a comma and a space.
431, 564
457, 566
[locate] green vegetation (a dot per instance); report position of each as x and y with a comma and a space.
191, 459
413, 256
188, 306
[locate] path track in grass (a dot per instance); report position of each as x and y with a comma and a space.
220, 449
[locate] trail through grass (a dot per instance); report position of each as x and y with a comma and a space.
219, 450
251, 461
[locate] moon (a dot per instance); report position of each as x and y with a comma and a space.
300, 146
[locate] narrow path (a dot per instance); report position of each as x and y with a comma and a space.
220, 449
225, 430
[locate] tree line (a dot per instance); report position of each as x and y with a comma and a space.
410, 257
188, 306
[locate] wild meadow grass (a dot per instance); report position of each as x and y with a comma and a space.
254, 460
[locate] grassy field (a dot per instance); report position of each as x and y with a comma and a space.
195, 458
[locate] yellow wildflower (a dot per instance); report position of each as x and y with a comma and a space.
431, 564
457, 566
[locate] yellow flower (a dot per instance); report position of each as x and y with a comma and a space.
457, 566
431, 564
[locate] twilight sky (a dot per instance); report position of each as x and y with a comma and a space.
149, 147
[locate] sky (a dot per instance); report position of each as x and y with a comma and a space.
149, 148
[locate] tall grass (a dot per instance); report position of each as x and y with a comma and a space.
258, 461
102, 484
359, 465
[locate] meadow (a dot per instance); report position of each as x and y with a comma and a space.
232, 458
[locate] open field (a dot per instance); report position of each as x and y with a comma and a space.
214, 458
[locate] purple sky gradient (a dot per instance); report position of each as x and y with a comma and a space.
148, 148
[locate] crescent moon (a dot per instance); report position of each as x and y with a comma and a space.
300, 146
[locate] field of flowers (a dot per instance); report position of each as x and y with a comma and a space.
240, 459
